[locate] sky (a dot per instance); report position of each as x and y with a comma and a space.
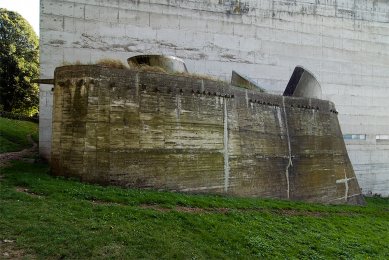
29, 9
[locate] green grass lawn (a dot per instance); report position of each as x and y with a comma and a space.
13, 134
58, 218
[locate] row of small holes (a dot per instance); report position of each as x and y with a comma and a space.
334, 111
212, 94
307, 107
143, 88
263, 103
298, 106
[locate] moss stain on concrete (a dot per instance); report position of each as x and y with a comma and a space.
147, 129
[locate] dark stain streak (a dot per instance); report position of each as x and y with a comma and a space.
57, 42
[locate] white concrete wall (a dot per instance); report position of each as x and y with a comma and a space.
345, 43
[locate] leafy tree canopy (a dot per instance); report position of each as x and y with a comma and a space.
19, 64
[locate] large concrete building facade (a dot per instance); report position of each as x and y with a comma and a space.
345, 43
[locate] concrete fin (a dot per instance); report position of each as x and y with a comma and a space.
303, 83
168, 64
243, 81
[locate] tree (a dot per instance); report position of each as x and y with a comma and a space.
19, 64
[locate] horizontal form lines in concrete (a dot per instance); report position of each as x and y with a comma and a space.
344, 43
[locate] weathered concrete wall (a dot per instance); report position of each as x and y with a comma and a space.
142, 129
345, 43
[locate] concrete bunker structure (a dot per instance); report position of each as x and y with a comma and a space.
176, 132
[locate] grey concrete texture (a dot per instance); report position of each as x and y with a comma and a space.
345, 44
180, 133
240, 80
168, 64
303, 83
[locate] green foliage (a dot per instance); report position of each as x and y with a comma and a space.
14, 133
60, 218
19, 64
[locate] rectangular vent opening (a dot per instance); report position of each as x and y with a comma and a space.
382, 138
354, 137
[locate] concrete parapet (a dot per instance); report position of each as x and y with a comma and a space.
180, 133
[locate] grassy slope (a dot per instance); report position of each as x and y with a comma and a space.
13, 134
74, 220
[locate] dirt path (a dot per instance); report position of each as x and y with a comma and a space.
6, 157
8, 250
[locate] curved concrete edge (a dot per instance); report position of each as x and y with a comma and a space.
303, 83
167, 63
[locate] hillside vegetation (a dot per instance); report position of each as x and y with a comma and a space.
14, 134
59, 218
50, 217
